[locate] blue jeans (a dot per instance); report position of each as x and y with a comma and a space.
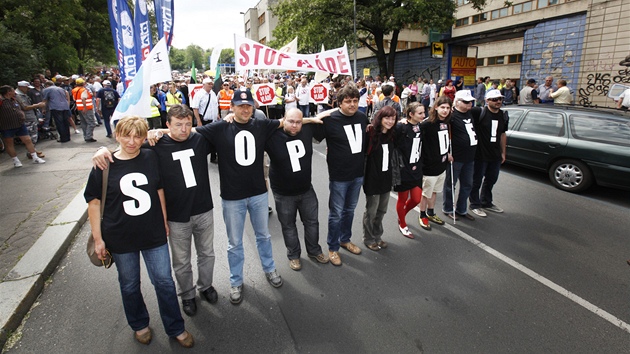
234, 217
342, 201
158, 263
485, 176
462, 171
287, 207
305, 109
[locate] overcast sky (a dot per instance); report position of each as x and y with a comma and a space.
209, 23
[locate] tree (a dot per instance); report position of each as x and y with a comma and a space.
17, 56
330, 22
194, 53
177, 58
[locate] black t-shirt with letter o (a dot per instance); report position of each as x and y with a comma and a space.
132, 219
291, 160
184, 171
346, 141
241, 149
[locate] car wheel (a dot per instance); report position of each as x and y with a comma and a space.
570, 175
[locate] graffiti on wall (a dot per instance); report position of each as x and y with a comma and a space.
428, 73
600, 83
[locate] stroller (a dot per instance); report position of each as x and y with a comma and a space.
45, 133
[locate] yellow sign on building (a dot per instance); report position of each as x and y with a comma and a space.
366, 72
437, 49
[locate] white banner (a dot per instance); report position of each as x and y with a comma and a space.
136, 99
253, 55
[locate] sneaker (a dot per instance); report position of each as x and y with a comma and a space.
479, 212
435, 219
189, 306
334, 258
295, 264
236, 294
38, 160
405, 231
424, 223
493, 208
210, 295
39, 154
17, 163
274, 279
320, 258
77, 131
351, 247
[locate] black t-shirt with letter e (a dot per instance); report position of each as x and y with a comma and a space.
241, 149
291, 160
132, 218
345, 138
184, 171
434, 147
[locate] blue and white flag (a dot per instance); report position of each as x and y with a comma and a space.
142, 34
164, 15
137, 98
112, 7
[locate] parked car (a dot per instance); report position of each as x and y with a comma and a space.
576, 146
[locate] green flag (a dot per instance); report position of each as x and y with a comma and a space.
193, 74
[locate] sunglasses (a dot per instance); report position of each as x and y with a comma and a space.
495, 99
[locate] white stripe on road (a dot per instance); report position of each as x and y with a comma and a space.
539, 278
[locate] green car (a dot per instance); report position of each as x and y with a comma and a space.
576, 146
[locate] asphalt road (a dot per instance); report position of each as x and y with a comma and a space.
548, 275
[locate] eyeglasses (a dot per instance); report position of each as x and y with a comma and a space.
497, 99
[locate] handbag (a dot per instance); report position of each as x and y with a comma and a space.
109, 260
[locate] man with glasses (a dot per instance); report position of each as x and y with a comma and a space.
225, 97
492, 123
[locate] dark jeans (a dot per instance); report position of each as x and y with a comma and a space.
305, 110
158, 264
61, 121
287, 208
107, 115
485, 176
464, 173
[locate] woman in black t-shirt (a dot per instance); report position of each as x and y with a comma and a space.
409, 144
134, 222
377, 182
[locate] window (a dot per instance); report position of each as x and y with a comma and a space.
461, 22
545, 3
480, 61
462, 2
480, 17
263, 40
386, 44
499, 13
524, 7
401, 45
544, 123
609, 130
261, 19
414, 45
515, 58
496, 60
515, 115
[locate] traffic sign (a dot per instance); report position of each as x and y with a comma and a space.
264, 94
319, 93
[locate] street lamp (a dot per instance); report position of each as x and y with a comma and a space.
355, 37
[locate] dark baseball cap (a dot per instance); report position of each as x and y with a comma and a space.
243, 97
531, 81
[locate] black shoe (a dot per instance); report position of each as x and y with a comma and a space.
210, 295
190, 307
90, 140
108, 136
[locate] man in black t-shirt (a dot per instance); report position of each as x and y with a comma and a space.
344, 132
291, 153
240, 147
464, 146
183, 166
491, 126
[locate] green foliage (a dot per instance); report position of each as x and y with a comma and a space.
330, 22
178, 59
18, 57
194, 53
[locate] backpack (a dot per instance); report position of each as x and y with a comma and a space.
109, 99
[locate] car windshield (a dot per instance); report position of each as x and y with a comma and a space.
611, 130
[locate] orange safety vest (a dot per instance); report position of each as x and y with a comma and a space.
225, 98
77, 92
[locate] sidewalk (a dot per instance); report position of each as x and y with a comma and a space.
41, 209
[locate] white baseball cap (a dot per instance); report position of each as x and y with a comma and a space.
493, 94
207, 81
23, 84
464, 95
107, 82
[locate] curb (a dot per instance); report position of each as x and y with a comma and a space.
23, 284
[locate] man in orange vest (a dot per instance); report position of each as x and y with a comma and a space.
225, 97
83, 99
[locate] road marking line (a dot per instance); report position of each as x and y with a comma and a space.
532, 274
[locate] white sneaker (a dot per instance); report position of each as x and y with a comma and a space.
77, 131
17, 163
479, 212
37, 160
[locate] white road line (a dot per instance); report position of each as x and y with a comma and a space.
537, 277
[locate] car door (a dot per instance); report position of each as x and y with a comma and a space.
538, 138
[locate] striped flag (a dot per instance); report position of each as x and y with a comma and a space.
142, 35
164, 15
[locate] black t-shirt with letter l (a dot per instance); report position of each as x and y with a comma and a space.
291, 160
132, 219
241, 150
346, 141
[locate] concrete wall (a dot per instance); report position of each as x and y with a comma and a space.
499, 48
606, 66
554, 48
410, 65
